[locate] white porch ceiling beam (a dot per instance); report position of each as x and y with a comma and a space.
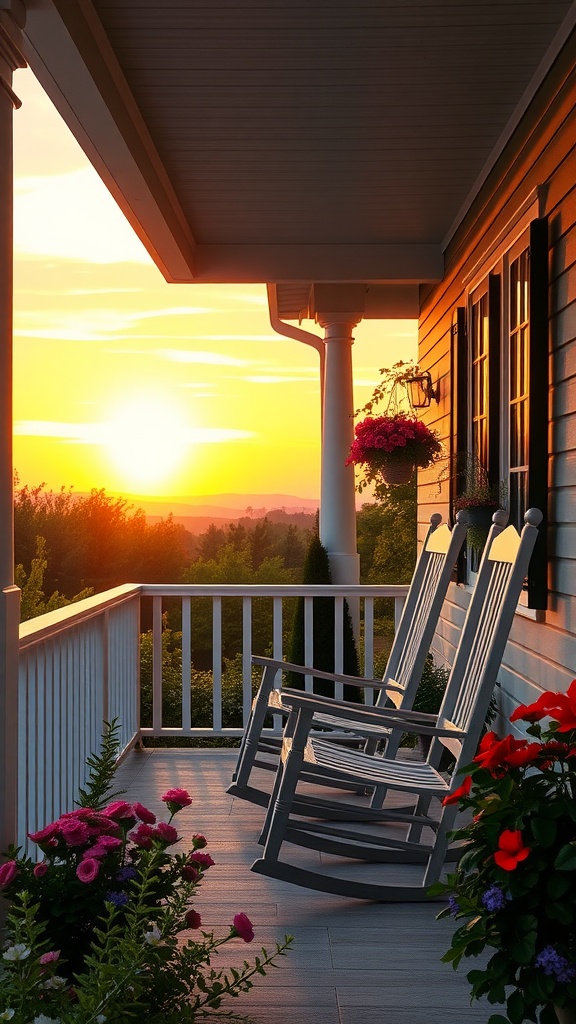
67, 49
402, 263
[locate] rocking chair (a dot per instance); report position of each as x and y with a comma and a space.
457, 728
403, 671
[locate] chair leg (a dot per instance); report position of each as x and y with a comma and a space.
280, 805
249, 746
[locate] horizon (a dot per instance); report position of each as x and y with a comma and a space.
127, 383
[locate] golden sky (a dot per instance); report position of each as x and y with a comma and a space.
125, 382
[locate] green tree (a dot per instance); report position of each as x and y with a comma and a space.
33, 600
317, 570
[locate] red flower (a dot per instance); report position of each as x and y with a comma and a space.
525, 755
144, 814
193, 920
176, 799
40, 869
190, 873
543, 707
203, 859
243, 927
167, 833
120, 810
510, 850
143, 836
8, 873
462, 790
88, 869
47, 836
381, 439
494, 753
74, 832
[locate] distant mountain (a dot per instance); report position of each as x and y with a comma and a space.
224, 507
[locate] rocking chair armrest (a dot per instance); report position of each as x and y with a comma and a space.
410, 721
335, 677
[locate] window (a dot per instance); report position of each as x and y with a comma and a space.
500, 347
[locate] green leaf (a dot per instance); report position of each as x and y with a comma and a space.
515, 1007
524, 948
566, 858
561, 912
557, 886
497, 1018
544, 831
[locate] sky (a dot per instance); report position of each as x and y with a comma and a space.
125, 382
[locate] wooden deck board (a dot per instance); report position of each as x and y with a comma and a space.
352, 962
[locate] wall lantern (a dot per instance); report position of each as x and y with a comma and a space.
421, 390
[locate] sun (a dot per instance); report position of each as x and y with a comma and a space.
148, 441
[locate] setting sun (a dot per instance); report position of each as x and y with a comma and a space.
147, 441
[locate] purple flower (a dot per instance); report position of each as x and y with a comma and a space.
119, 899
125, 874
453, 905
494, 898
555, 965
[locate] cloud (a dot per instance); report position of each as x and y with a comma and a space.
103, 433
178, 355
270, 379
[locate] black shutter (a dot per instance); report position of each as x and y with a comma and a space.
459, 373
538, 408
494, 379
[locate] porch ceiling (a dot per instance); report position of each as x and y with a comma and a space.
293, 143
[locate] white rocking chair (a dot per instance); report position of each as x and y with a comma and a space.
457, 727
403, 672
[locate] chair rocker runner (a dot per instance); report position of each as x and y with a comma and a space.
402, 674
457, 727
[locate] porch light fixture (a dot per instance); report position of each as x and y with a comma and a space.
421, 390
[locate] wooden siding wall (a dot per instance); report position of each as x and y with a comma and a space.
541, 154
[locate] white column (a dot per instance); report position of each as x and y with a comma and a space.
10, 59
337, 498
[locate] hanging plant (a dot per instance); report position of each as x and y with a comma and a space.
383, 443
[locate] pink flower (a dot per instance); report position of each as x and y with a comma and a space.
167, 833
193, 920
243, 927
47, 836
75, 832
88, 869
203, 859
120, 810
103, 847
50, 958
176, 799
199, 841
143, 836
144, 814
40, 869
8, 873
190, 873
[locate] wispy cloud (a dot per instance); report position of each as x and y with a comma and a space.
180, 355
271, 379
104, 433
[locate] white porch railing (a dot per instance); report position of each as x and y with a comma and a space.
80, 666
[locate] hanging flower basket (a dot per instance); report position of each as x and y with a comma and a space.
382, 444
394, 473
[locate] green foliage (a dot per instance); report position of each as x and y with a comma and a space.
515, 888
317, 570
95, 541
102, 769
96, 929
32, 600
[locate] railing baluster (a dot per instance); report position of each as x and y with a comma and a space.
186, 664
217, 664
157, 663
369, 646
246, 663
82, 662
338, 643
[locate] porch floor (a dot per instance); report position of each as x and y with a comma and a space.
351, 962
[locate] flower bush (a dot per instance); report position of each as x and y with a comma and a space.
379, 440
515, 887
94, 928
